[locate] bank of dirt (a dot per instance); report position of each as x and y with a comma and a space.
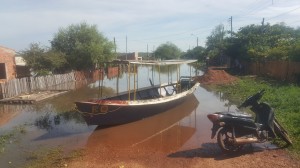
216, 76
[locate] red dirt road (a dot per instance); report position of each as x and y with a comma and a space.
194, 158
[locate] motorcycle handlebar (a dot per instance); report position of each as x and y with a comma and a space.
254, 98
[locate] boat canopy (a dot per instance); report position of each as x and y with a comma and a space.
164, 62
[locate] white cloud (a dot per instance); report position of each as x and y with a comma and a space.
143, 21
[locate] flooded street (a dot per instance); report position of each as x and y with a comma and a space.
178, 132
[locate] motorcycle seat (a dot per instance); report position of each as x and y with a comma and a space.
236, 114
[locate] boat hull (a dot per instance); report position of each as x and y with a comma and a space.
144, 133
116, 112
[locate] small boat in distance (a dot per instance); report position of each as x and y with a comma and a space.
137, 104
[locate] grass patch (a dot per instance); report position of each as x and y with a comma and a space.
283, 97
54, 157
10, 137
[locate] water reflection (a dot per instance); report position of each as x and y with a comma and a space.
55, 123
231, 105
165, 69
8, 112
129, 81
49, 121
222, 98
166, 131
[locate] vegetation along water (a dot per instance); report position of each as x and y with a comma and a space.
283, 97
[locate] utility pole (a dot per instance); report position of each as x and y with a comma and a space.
115, 45
147, 52
262, 25
153, 53
230, 19
196, 37
126, 47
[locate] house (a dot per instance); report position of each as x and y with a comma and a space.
130, 56
7, 64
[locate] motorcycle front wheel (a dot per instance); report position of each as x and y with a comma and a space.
226, 141
281, 132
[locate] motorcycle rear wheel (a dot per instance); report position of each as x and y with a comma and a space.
226, 141
281, 132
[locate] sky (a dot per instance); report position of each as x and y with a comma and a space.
138, 25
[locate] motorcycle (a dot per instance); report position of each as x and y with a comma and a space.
234, 130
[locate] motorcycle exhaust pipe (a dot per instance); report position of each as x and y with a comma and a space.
241, 141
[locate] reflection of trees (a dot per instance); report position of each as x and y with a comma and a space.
44, 122
49, 121
165, 69
61, 109
195, 65
69, 116
223, 97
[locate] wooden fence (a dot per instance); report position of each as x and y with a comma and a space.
59, 82
31, 84
280, 70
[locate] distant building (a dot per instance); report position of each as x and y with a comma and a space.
20, 61
21, 69
7, 64
130, 56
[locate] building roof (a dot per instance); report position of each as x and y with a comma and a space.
7, 51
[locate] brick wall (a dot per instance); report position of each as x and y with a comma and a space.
7, 64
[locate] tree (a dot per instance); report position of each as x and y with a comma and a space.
167, 51
261, 42
198, 53
294, 52
43, 60
85, 47
215, 42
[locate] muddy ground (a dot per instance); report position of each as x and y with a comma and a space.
206, 155
200, 157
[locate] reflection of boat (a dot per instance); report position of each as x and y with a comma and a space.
148, 132
138, 103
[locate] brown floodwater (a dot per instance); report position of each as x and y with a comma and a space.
54, 123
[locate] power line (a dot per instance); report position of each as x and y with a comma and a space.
261, 5
282, 14
251, 9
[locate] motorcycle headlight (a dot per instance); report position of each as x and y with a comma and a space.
222, 124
